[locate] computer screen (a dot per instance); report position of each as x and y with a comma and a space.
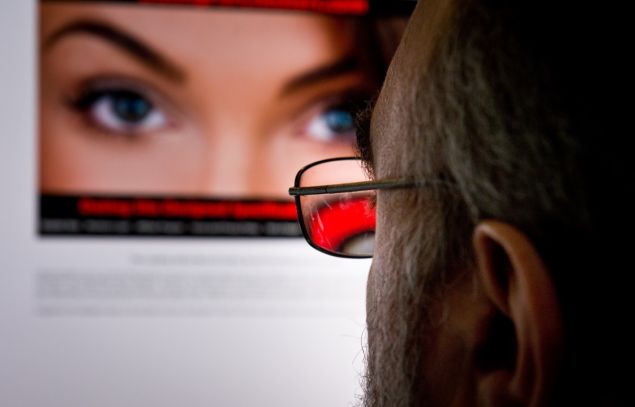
150, 253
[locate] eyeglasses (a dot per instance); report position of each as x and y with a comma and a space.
335, 200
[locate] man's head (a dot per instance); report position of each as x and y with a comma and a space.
504, 282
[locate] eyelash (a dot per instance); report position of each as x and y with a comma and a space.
362, 124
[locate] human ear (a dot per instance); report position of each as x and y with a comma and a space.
520, 340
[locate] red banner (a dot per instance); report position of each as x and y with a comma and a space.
191, 209
166, 216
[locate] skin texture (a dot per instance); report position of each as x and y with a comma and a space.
230, 116
483, 332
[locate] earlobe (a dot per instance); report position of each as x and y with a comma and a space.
522, 340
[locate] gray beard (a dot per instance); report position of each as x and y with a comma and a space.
386, 382
413, 264
393, 356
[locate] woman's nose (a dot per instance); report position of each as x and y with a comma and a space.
236, 161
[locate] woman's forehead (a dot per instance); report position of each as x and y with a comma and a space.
282, 41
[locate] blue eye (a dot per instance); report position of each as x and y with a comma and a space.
339, 121
121, 111
130, 106
332, 125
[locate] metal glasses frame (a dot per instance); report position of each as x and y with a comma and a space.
297, 191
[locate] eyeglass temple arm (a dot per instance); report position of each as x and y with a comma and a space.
354, 187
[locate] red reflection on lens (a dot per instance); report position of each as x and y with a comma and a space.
338, 222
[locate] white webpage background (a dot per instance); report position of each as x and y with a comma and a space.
130, 322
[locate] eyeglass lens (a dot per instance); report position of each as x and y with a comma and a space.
339, 223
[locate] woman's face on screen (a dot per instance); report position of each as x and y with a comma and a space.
183, 101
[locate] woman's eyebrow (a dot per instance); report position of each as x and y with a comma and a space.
128, 43
331, 70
